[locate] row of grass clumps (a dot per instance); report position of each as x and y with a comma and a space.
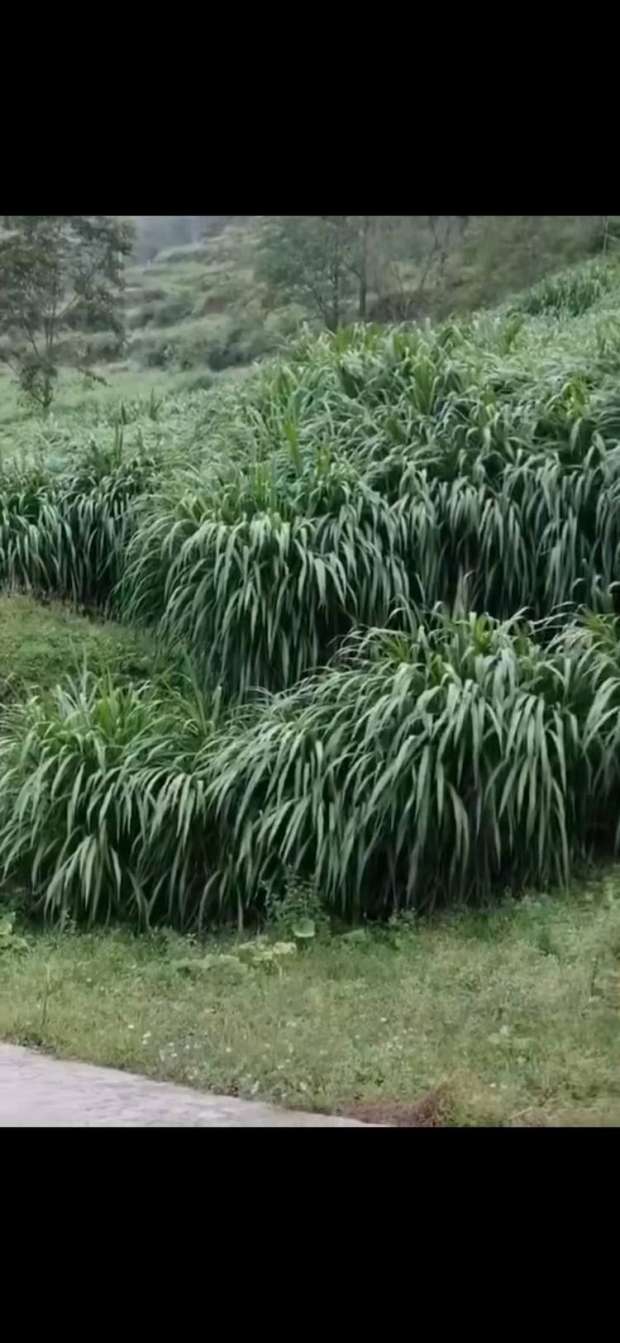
422, 767
317, 555
371, 472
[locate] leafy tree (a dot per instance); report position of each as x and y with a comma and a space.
403, 267
311, 258
330, 263
409, 257
57, 272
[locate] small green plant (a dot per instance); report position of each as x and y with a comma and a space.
545, 942
155, 404
10, 942
298, 914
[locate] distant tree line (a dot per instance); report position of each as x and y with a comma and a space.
401, 267
63, 274
390, 267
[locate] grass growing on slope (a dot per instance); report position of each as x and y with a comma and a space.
427, 768
103, 811
435, 767
371, 480
511, 1015
570, 292
40, 644
374, 468
64, 531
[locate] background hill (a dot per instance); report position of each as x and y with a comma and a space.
197, 290
197, 297
201, 300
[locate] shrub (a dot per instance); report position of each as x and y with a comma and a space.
158, 353
175, 308
297, 912
81, 349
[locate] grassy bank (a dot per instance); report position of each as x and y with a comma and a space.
410, 537
506, 1018
39, 645
408, 542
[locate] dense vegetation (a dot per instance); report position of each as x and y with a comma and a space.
384, 569
58, 273
219, 292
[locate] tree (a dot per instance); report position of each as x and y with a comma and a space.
410, 257
333, 263
57, 272
308, 258
356, 233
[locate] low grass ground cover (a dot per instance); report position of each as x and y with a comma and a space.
40, 645
507, 1016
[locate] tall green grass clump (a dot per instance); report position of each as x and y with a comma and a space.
262, 575
429, 767
424, 768
64, 533
570, 293
102, 802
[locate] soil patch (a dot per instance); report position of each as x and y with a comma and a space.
428, 1112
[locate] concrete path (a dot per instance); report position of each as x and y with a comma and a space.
40, 1092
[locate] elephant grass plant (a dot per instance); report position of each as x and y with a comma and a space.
288, 540
102, 803
429, 767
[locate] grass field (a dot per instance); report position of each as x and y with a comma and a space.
506, 1018
351, 630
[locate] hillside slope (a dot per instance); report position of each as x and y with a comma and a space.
195, 305
388, 563
199, 304
353, 654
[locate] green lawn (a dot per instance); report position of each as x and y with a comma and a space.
511, 1017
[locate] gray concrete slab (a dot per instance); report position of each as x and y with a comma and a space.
37, 1091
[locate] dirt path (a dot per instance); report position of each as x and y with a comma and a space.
41, 1092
